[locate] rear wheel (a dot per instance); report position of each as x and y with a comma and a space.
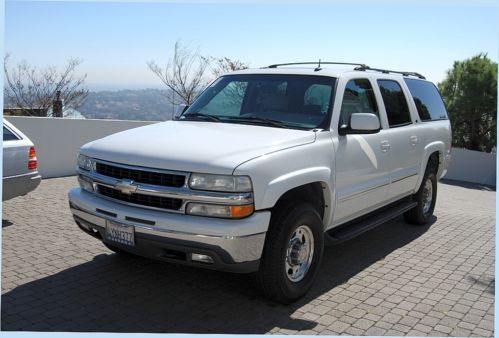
426, 198
292, 253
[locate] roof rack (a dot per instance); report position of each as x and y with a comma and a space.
318, 64
387, 71
360, 67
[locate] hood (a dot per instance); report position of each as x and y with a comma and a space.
194, 146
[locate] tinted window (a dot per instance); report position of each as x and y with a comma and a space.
396, 106
298, 101
427, 99
229, 100
8, 135
358, 98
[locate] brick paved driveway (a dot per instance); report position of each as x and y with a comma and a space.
394, 280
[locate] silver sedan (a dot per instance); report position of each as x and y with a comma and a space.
20, 165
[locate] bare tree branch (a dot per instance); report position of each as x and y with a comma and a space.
184, 75
226, 65
30, 89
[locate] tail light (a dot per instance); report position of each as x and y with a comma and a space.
32, 162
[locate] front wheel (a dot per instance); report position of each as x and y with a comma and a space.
426, 198
292, 253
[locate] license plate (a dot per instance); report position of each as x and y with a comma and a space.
120, 233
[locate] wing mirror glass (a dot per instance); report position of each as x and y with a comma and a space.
361, 123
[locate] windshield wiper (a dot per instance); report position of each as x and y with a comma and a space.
259, 120
196, 116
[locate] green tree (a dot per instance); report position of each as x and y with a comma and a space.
470, 93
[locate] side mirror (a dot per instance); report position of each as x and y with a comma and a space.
361, 123
181, 108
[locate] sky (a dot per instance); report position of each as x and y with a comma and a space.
115, 40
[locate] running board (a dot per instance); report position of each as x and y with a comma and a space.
370, 221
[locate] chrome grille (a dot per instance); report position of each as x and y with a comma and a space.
141, 176
140, 199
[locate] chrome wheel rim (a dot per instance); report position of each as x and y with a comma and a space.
427, 196
299, 253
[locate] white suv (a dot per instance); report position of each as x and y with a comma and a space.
265, 168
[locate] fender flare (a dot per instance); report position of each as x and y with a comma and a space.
284, 183
433, 147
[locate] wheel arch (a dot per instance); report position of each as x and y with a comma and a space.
434, 155
314, 189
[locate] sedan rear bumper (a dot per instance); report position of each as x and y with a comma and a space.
19, 185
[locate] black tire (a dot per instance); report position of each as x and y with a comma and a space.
418, 215
287, 223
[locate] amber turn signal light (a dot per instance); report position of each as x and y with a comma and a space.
239, 211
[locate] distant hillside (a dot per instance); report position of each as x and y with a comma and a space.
144, 104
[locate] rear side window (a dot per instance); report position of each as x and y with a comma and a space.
358, 98
396, 106
8, 135
427, 100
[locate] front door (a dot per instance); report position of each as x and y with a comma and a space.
362, 160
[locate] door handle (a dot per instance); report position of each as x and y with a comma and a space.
385, 146
414, 140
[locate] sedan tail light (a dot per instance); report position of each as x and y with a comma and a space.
32, 162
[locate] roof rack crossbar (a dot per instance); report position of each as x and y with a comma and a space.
319, 63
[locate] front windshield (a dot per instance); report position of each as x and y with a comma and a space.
286, 101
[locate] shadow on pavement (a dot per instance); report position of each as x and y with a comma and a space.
468, 185
487, 283
6, 223
113, 293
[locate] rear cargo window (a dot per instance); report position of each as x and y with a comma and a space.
8, 135
427, 99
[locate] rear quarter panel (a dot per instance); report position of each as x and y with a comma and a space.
16, 153
435, 137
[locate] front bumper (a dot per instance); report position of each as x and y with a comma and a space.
234, 245
19, 185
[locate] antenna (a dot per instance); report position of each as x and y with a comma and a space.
318, 67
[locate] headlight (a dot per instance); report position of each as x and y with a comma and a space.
226, 183
85, 162
216, 210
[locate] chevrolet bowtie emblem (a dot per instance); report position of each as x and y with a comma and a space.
126, 187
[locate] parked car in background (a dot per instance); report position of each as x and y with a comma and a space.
20, 165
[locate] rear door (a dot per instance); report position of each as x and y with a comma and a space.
15, 152
405, 138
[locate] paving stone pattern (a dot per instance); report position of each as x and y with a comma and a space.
436, 280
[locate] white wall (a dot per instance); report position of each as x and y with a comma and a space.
57, 141
472, 166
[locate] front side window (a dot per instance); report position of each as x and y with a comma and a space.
358, 98
396, 106
8, 135
286, 101
428, 101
